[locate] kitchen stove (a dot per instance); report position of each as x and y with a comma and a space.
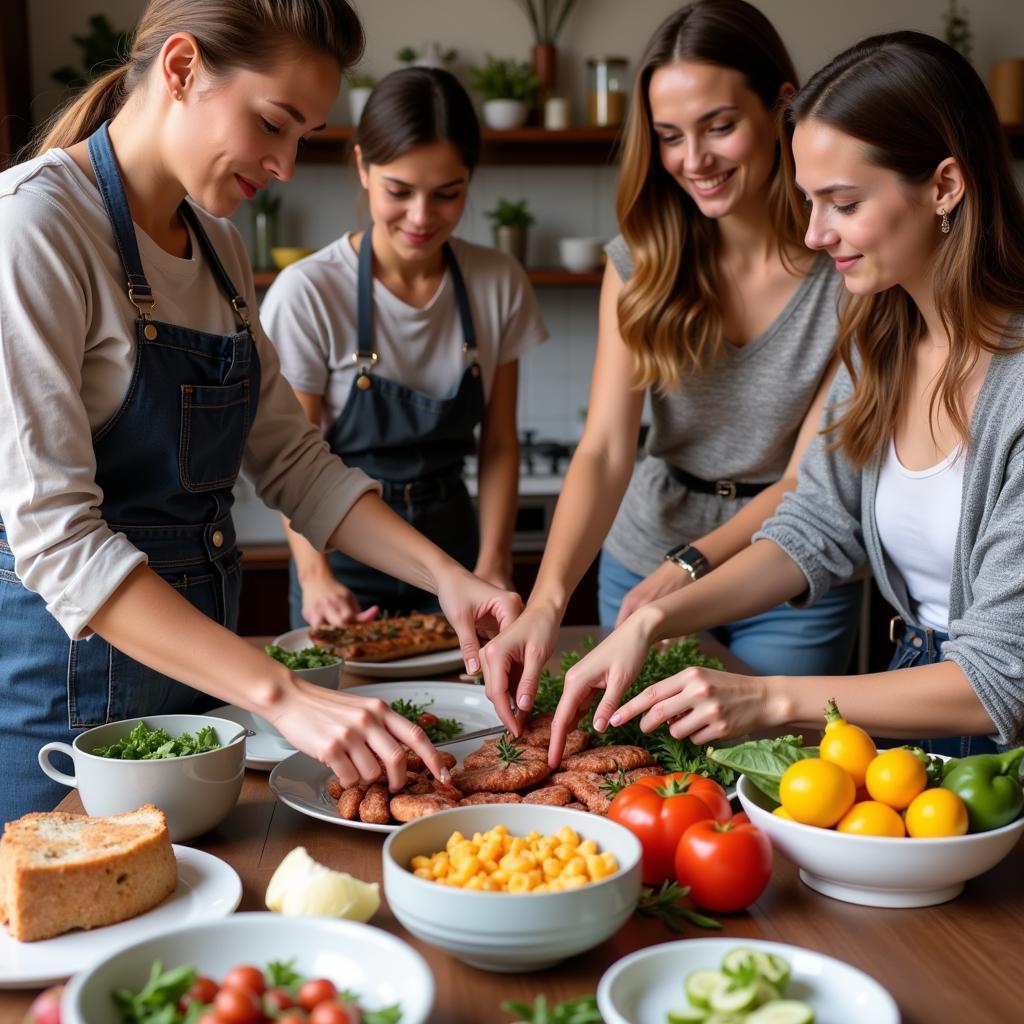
543, 456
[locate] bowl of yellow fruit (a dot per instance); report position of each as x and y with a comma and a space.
512, 887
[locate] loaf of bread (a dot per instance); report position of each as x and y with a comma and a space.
64, 871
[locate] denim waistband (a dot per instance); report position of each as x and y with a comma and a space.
919, 638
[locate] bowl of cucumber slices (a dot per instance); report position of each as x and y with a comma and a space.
717, 981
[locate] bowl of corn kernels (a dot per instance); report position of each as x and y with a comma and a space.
512, 887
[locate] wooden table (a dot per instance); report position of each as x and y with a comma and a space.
959, 962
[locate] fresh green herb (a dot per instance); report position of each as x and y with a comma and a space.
145, 744
157, 1003
308, 657
509, 752
573, 1011
614, 784
664, 904
764, 762
388, 1015
282, 974
437, 729
670, 753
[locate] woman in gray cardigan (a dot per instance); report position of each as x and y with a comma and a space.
919, 470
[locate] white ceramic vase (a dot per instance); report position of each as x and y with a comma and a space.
357, 97
505, 114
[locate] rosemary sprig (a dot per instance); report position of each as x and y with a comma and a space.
509, 752
613, 784
663, 904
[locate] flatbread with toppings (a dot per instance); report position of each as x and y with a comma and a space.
401, 636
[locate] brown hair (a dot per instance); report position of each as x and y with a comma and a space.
670, 313
232, 34
415, 107
914, 102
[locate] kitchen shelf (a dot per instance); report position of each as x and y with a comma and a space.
517, 146
540, 277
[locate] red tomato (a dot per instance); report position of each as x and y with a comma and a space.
45, 1008
332, 1012
726, 866
316, 991
202, 991
209, 1017
658, 809
244, 978
277, 999
292, 1017
238, 1006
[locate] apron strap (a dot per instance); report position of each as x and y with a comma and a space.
108, 179
227, 286
462, 302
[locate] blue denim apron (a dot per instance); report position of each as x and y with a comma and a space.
166, 462
921, 646
414, 444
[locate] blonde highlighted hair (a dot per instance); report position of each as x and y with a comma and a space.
232, 34
670, 310
914, 102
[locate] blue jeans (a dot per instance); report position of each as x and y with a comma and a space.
783, 641
920, 646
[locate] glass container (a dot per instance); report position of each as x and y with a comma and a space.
606, 100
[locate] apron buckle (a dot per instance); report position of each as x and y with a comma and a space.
895, 624
241, 308
144, 303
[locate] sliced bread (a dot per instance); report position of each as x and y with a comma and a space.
64, 871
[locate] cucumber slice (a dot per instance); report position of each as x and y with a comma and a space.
766, 992
688, 1015
726, 1018
782, 1011
728, 999
739, 959
772, 968
700, 984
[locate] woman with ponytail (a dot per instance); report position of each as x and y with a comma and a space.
919, 472
137, 382
711, 304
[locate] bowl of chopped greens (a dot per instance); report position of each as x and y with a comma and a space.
313, 664
190, 766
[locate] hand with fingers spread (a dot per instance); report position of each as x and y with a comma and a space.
359, 738
512, 663
705, 705
666, 579
327, 602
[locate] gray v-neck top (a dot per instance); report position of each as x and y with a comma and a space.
737, 419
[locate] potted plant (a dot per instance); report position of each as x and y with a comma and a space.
430, 55
359, 89
508, 88
510, 221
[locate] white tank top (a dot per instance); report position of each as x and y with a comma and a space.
918, 514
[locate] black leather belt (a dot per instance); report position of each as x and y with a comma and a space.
721, 488
412, 492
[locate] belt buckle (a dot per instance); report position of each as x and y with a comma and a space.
895, 623
725, 488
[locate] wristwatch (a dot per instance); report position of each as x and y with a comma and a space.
687, 557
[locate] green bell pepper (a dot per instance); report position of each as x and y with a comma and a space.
989, 785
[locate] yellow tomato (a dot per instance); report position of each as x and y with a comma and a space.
935, 813
816, 792
846, 745
781, 812
870, 818
895, 777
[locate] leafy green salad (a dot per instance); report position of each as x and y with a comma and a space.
308, 657
145, 744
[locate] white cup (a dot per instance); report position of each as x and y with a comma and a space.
556, 113
580, 254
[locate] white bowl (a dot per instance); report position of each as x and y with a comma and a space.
580, 254
327, 676
642, 987
875, 870
505, 114
510, 932
379, 967
196, 792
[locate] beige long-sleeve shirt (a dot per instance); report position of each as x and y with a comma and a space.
67, 346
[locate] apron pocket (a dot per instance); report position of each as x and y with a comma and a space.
214, 427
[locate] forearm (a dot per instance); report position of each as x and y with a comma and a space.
497, 494
310, 564
930, 700
146, 619
734, 534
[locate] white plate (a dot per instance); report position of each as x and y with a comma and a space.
263, 749
434, 664
208, 889
301, 783
642, 987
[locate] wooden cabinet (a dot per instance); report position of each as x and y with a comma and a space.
15, 81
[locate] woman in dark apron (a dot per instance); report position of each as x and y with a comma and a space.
138, 381
402, 344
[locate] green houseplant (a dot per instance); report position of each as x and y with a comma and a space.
508, 88
103, 48
510, 223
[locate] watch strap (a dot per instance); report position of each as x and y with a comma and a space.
688, 558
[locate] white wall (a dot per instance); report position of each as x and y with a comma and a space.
566, 201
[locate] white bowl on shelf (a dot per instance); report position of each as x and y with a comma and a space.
879, 871
510, 932
503, 115
580, 254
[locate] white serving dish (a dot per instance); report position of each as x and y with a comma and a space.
879, 871
381, 968
580, 254
642, 987
510, 932
196, 792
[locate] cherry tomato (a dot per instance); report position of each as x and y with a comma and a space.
895, 777
658, 809
238, 1006
209, 1017
427, 720
332, 1012
316, 991
278, 999
245, 978
726, 866
870, 818
936, 813
293, 1016
203, 990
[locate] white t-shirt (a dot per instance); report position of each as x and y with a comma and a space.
310, 315
918, 515
67, 347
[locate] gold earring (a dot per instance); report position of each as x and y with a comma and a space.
944, 226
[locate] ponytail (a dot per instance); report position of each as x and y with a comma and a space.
78, 119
